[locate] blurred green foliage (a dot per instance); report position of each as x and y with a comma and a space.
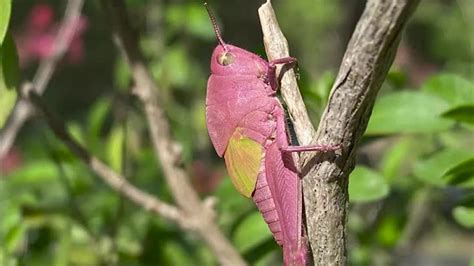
8, 63
413, 185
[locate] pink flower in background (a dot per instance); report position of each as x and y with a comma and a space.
36, 39
11, 161
41, 17
205, 179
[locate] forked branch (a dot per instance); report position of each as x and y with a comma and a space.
364, 67
166, 149
23, 109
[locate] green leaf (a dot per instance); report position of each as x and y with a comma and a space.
396, 157
75, 129
122, 74
176, 254
451, 88
197, 21
177, 68
9, 75
461, 172
97, 117
388, 231
464, 216
462, 113
408, 112
366, 185
12, 229
7, 101
323, 86
397, 78
251, 232
115, 148
432, 169
231, 203
38, 172
5, 10
14, 237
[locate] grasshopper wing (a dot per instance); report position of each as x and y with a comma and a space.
243, 158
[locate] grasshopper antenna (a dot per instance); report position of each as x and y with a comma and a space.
214, 25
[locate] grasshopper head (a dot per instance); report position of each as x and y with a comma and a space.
232, 60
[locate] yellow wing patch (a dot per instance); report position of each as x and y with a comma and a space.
243, 157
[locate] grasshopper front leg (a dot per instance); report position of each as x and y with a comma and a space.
282, 137
270, 76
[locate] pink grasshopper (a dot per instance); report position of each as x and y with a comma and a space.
246, 124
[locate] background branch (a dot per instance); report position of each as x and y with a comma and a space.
166, 149
23, 109
109, 176
364, 67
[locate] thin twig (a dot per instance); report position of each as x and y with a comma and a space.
276, 46
23, 110
166, 149
364, 67
109, 176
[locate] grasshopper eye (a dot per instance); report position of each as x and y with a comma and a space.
226, 58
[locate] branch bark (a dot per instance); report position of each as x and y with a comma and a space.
367, 59
23, 109
166, 149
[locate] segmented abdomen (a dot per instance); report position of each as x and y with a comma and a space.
266, 205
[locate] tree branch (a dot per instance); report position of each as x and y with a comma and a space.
166, 149
276, 47
23, 109
364, 67
109, 176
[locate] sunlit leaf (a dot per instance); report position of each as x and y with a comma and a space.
191, 18
251, 231
395, 158
14, 237
432, 169
464, 216
115, 148
408, 112
36, 172
323, 87
12, 229
178, 68
197, 21
5, 10
122, 74
76, 131
451, 88
96, 117
388, 231
9, 75
366, 185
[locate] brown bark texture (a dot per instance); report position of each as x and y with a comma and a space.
364, 67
